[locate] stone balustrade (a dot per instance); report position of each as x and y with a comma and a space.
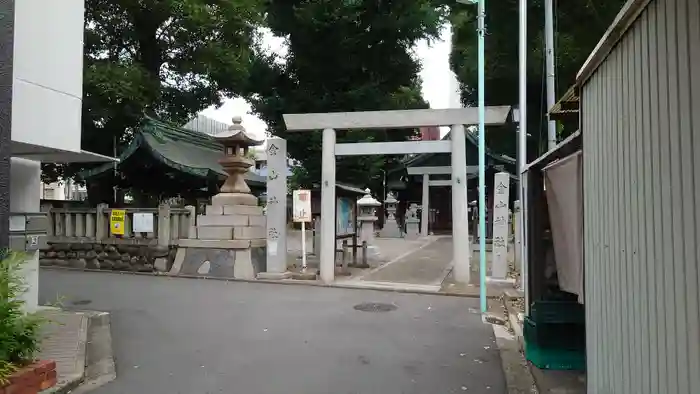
92, 224
81, 238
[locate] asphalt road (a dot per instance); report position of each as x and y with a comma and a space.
197, 337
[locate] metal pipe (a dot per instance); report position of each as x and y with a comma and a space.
482, 157
522, 148
549, 64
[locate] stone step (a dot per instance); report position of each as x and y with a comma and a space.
250, 210
230, 220
230, 232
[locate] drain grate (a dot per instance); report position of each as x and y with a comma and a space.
374, 307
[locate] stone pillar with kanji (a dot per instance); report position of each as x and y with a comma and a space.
276, 210
501, 233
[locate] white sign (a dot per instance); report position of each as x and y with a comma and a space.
18, 223
500, 225
301, 205
143, 222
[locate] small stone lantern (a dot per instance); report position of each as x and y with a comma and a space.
236, 144
391, 228
368, 207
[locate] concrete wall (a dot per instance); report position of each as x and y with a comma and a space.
640, 120
25, 180
48, 73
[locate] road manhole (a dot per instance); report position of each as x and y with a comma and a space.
81, 302
374, 307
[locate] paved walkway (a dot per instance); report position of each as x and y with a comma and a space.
65, 337
428, 265
175, 335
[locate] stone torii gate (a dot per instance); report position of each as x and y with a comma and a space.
456, 118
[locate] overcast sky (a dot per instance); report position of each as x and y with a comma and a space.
439, 84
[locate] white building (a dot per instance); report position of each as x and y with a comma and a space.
63, 190
43, 108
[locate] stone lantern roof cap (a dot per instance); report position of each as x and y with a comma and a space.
367, 200
237, 133
390, 199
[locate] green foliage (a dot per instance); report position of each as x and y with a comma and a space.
19, 331
168, 58
579, 25
343, 55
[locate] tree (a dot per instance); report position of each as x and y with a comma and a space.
579, 26
168, 58
344, 55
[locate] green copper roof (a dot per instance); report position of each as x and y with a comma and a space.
184, 150
472, 142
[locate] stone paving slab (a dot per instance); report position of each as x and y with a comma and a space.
65, 340
426, 266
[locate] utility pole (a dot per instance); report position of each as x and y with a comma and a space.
481, 34
7, 29
522, 147
549, 68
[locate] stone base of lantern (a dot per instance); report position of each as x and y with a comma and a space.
412, 228
390, 229
232, 199
229, 241
274, 275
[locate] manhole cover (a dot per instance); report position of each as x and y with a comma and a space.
375, 307
81, 302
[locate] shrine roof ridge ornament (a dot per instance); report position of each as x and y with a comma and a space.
497, 115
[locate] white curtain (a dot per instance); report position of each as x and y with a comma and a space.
564, 190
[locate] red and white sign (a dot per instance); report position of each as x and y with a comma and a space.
301, 205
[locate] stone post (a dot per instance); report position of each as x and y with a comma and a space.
517, 219
164, 225
391, 228
367, 217
276, 210
69, 229
461, 248
412, 231
190, 228
327, 263
425, 206
499, 265
101, 223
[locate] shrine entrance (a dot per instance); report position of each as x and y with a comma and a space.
455, 118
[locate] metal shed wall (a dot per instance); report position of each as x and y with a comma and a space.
640, 123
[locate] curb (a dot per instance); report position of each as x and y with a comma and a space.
74, 381
100, 367
292, 282
97, 339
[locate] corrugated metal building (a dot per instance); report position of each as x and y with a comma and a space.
640, 124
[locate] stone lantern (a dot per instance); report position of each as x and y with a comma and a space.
367, 216
235, 163
229, 240
412, 222
391, 228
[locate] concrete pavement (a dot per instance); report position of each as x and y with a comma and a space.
64, 341
174, 335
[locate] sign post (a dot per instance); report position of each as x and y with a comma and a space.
116, 221
301, 212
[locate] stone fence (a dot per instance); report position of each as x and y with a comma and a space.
81, 238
